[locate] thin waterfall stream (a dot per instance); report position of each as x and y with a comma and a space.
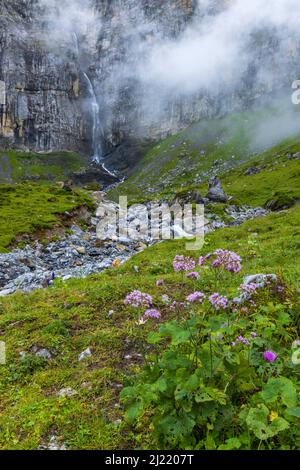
97, 129
96, 123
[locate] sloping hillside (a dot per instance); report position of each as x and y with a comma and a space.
227, 147
50, 398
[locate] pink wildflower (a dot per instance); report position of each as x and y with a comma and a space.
229, 260
218, 301
181, 263
203, 259
196, 297
269, 356
249, 288
138, 299
152, 313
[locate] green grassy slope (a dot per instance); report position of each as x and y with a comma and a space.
68, 318
27, 207
278, 177
224, 146
19, 166
29, 198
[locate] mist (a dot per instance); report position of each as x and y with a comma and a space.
63, 18
216, 51
228, 48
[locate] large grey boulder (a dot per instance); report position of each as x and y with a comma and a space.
216, 192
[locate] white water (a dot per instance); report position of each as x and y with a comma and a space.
96, 123
97, 131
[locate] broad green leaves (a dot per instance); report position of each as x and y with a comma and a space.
280, 389
177, 333
204, 388
258, 422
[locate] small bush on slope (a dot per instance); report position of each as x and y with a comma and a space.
219, 375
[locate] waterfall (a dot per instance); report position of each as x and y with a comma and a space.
97, 128
97, 131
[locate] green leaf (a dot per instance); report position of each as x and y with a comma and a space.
133, 411
278, 425
193, 382
231, 444
160, 385
173, 360
280, 388
154, 337
175, 426
211, 394
203, 397
128, 393
293, 412
210, 443
257, 421
178, 334
217, 395
180, 394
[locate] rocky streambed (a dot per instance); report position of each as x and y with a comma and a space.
74, 256
79, 253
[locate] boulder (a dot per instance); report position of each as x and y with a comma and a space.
216, 192
43, 353
84, 354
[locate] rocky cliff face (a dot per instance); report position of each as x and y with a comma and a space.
42, 110
49, 104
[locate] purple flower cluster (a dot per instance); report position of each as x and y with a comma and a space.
152, 313
196, 297
193, 275
269, 356
218, 301
242, 340
229, 260
249, 288
160, 282
138, 299
182, 263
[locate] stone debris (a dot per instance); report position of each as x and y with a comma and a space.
84, 354
43, 353
53, 444
261, 280
81, 253
67, 393
75, 256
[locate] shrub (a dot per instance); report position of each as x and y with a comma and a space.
219, 374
